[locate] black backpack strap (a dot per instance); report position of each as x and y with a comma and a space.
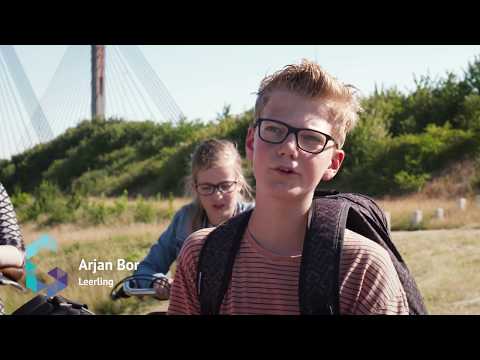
367, 219
319, 270
216, 261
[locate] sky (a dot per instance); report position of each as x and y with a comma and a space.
202, 79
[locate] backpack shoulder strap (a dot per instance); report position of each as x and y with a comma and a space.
216, 261
320, 266
367, 219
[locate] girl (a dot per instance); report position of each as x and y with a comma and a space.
219, 189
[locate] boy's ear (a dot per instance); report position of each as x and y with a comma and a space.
249, 143
336, 163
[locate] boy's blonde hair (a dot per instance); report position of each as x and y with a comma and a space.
308, 79
208, 154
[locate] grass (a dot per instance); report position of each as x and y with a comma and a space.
68, 258
444, 263
119, 240
402, 209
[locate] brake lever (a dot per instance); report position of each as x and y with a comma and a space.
6, 281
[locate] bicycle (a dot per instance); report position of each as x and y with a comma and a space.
7, 281
125, 288
129, 287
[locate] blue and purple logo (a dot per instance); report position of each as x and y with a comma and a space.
60, 276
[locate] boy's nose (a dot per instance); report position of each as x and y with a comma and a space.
289, 145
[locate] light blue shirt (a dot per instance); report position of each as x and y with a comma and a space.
165, 251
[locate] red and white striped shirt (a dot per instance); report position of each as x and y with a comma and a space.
263, 283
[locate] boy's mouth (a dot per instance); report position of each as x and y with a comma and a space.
285, 170
218, 206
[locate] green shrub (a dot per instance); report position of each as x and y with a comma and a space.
121, 204
409, 182
96, 213
144, 212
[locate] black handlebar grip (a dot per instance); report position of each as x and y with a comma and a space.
120, 293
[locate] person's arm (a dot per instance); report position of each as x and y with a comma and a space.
10, 256
10, 233
12, 262
12, 247
164, 252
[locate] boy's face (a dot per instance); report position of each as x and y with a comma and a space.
283, 170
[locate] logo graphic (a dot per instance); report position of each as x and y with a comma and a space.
60, 276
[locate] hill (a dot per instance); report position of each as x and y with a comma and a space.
403, 144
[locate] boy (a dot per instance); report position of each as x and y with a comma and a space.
302, 116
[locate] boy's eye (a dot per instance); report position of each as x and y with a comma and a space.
273, 129
314, 139
205, 188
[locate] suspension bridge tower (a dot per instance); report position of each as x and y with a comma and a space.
98, 81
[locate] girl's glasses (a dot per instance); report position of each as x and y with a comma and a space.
209, 189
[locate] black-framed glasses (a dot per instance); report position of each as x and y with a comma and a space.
275, 132
209, 189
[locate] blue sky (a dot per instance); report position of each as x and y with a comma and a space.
202, 79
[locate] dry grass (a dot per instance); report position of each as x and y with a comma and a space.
445, 263
452, 182
132, 248
402, 209
65, 234
68, 233
446, 267
103, 243
157, 203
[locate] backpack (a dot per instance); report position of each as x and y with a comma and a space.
55, 305
319, 285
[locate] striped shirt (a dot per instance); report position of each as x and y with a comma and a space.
263, 283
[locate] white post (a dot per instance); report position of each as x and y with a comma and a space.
439, 214
417, 217
462, 203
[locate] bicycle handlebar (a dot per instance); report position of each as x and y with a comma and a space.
6, 281
127, 287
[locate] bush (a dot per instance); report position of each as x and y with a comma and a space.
144, 212
409, 182
120, 205
60, 214
96, 213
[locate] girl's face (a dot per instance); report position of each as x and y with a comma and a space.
219, 205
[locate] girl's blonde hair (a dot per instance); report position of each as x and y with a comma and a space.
308, 79
209, 154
